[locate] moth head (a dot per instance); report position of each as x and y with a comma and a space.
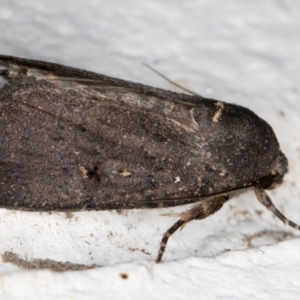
277, 172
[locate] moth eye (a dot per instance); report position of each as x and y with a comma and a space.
4, 73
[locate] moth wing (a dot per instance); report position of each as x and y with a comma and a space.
73, 139
72, 77
72, 136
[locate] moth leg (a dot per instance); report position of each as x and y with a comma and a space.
200, 211
263, 197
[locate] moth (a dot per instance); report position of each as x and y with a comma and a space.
75, 140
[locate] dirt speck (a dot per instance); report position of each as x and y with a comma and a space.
12, 258
124, 276
273, 236
69, 215
226, 250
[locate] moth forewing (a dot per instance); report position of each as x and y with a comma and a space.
106, 143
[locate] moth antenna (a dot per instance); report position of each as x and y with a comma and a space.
263, 197
170, 81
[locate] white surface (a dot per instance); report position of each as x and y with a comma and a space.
245, 52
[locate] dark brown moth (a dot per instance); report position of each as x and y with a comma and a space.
74, 140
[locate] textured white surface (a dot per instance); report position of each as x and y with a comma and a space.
245, 52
